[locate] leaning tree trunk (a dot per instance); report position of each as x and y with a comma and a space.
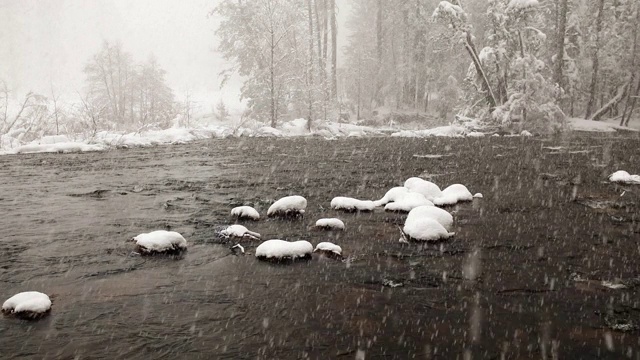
486, 86
622, 91
594, 76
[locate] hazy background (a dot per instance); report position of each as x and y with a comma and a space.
46, 43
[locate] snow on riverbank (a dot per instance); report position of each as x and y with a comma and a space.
12, 144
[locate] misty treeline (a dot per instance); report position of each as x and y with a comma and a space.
119, 94
505, 61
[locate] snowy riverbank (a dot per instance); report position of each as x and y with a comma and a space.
296, 128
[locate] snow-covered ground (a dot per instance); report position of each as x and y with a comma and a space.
464, 127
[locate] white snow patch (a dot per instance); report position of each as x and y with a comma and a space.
478, 195
160, 241
27, 302
624, 177
268, 131
64, 147
238, 246
591, 126
239, 231
351, 204
288, 205
441, 216
329, 247
408, 202
330, 223
424, 187
522, 4
612, 285
393, 194
453, 194
280, 249
454, 131
245, 212
425, 229
475, 134
445, 7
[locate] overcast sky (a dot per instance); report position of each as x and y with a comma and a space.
44, 42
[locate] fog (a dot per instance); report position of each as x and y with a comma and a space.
47, 43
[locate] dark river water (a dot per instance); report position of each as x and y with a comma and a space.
522, 278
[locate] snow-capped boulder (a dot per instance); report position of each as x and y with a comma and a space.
329, 249
268, 131
288, 206
392, 195
160, 241
280, 249
29, 304
330, 224
624, 177
425, 229
478, 195
239, 231
245, 212
442, 216
453, 195
351, 204
407, 202
424, 187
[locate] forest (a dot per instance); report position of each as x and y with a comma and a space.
497, 60
527, 64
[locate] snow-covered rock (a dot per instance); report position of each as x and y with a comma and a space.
330, 223
421, 212
478, 195
407, 202
239, 231
624, 177
425, 229
453, 194
280, 249
160, 241
392, 195
288, 205
245, 212
30, 304
351, 204
328, 247
424, 187
268, 131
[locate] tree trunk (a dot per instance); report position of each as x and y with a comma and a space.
486, 86
626, 115
622, 91
272, 80
594, 76
310, 66
562, 29
524, 76
334, 53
